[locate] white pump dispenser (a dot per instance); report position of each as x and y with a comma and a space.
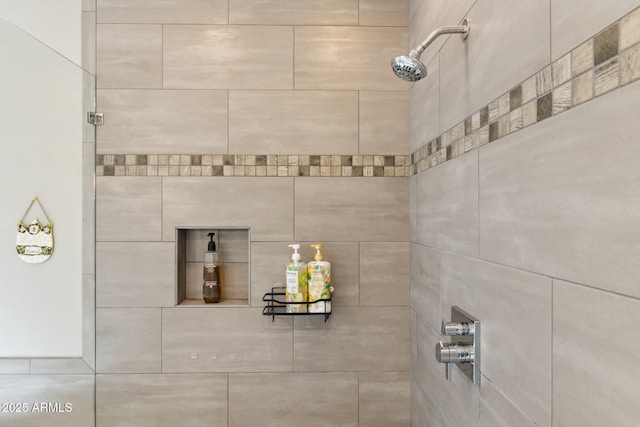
296, 282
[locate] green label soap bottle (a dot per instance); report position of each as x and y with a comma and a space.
296, 282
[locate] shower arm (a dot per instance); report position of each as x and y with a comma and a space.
459, 29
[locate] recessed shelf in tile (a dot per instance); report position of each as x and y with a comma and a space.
233, 248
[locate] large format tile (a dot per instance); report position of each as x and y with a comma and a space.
313, 399
128, 340
128, 209
301, 122
215, 339
572, 23
228, 57
166, 12
266, 208
447, 205
384, 399
135, 274
567, 209
348, 58
268, 262
423, 412
89, 320
47, 400
496, 410
129, 56
384, 122
464, 66
384, 12
161, 400
516, 337
425, 283
163, 121
293, 12
424, 108
594, 355
353, 339
384, 274
362, 209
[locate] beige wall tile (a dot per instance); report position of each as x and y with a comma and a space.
301, 122
293, 12
593, 385
384, 12
129, 56
318, 399
128, 340
135, 274
424, 109
384, 274
384, 399
66, 365
547, 215
425, 283
497, 411
157, 399
89, 5
384, 123
167, 12
225, 340
163, 121
89, 42
352, 209
569, 28
228, 57
348, 58
128, 209
353, 339
630, 30
89, 320
229, 202
447, 205
423, 412
517, 360
59, 390
464, 67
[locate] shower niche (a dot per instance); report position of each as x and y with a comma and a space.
233, 246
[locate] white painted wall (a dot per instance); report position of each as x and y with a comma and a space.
55, 23
41, 150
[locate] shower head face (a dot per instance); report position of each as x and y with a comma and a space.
408, 68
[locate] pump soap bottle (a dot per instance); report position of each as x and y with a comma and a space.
319, 274
296, 282
211, 276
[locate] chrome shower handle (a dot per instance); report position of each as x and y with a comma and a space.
455, 353
458, 328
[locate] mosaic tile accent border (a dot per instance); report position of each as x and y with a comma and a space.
251, 165
607, 61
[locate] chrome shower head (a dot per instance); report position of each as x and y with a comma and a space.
410, 68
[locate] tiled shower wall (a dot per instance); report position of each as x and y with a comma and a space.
524, 211
282, 117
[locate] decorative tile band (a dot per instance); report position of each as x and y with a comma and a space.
251, 165
607, 61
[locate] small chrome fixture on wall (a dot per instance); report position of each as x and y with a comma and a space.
410, 68
465, 353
